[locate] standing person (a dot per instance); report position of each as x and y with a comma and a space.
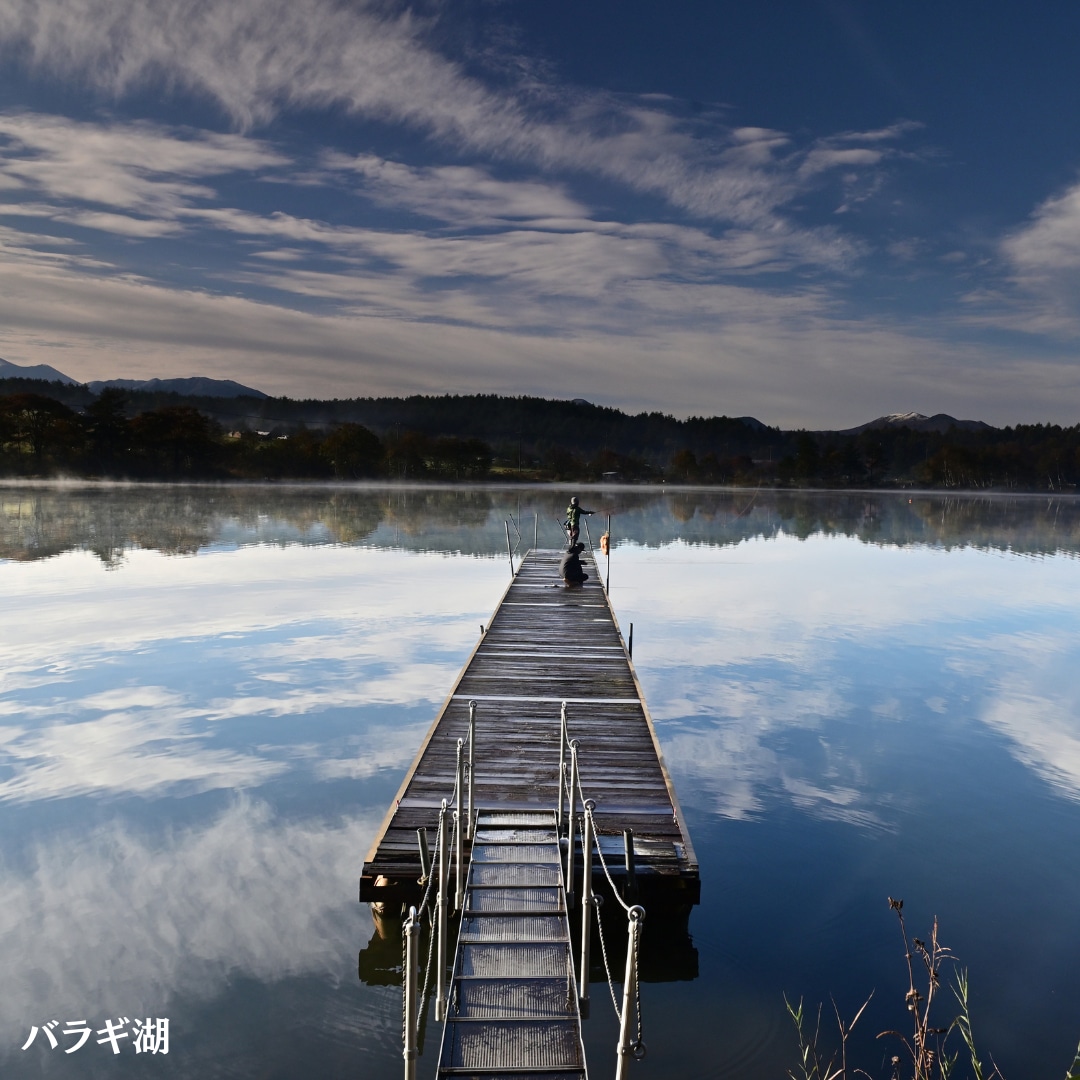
573, 519
573, 573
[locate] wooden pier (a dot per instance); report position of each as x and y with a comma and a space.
547, 644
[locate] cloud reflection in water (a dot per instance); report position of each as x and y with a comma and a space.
740, 650
118, 919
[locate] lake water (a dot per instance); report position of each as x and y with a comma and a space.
208, 698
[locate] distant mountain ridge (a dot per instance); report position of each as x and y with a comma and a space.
35, 371
201, 386
195, 386
938, 423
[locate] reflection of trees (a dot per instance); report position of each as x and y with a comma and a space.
36, 522
416, 511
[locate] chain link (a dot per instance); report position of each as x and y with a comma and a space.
603, 863
597, 901
404, 982
638, 1047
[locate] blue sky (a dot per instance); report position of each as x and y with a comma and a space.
813, 212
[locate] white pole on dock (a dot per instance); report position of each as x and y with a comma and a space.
626, 1049
509, 549
412, 977
607, 575
536, 527
562, 766
572, 808
440, 960
458, 815
472, 745
586, 910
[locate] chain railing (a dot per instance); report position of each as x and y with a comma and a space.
435, 905
570, 789
631, 1044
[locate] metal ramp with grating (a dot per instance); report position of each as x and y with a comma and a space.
513, 1004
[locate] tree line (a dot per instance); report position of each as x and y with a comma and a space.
56, 429
42, 436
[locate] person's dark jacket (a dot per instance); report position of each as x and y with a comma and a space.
570, 567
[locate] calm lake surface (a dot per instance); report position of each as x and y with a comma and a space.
209, 696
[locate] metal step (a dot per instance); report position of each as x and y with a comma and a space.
511, 1045
513, 1006
510, 898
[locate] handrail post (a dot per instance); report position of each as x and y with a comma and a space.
440, 960
458, 815
572, 809
626, 1049
412, 978
536, 527
472, 758
509, 550
562, 767
607, 575
586, 909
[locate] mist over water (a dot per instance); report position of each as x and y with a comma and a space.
208, 697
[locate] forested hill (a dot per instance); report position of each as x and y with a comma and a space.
536, 423
52, 428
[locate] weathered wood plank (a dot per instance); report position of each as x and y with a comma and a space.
544, 645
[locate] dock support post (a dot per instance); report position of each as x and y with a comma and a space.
459, 885
630, 643
472, 758
412, 977
562, 766
586, 910
607, 575
425, 853
571, 810
631, 866
509, 549
536, 527
440, 959
628, 1049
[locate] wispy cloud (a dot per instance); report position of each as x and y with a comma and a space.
115, 919
1039, 291
257, 57
137, 167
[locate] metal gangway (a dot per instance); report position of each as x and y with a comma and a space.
515, 999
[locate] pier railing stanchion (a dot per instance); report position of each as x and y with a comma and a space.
536, 528
626, 1048
562, 766
472, 758
571, 811
509, 549
631, 865
412, 977
440, 959
459, 885
607, 574
586, 909
425, 853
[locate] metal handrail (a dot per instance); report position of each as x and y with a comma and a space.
569, 787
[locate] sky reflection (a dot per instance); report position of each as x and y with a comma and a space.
199, 737
120, 918
823, 634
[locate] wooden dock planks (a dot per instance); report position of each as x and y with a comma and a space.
546, 644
